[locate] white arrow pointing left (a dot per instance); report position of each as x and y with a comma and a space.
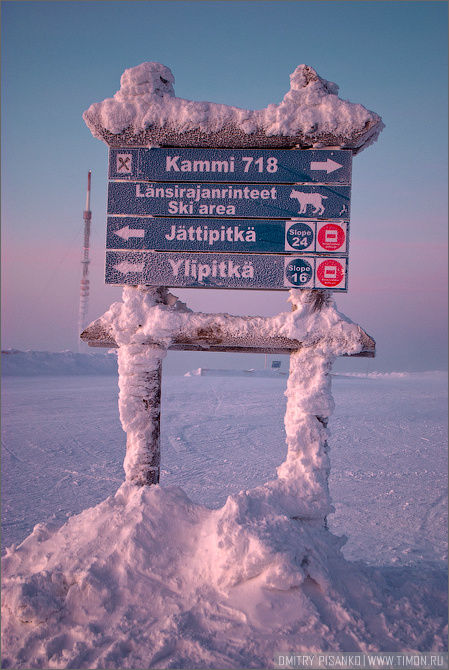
328, 165
127, 232
125, 266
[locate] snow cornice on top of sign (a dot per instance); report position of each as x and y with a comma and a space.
172, 325
145, 112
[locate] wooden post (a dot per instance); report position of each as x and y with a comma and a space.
140, 373
305, 472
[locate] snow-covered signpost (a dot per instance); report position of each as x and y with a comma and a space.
203, 195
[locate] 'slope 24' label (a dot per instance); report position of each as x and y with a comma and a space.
316, 236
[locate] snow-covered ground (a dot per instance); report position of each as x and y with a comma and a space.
63, 450
144, 580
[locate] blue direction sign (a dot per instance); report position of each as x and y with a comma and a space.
224, 235
227, 271
232, 165
230, 200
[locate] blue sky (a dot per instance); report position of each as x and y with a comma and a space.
60, 57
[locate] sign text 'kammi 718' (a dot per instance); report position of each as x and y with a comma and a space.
319, 166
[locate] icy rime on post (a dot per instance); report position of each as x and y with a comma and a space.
145, 112
139, 402
309, 405
140, 371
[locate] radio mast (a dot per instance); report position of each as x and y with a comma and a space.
84, 285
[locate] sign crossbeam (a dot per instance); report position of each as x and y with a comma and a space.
204, 333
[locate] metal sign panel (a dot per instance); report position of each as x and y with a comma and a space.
225, 271
236, 235
232, 165
230, 200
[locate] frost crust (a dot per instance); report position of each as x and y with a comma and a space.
145, 112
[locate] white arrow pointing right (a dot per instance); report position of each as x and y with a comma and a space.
126, 232
125, 266
328, 165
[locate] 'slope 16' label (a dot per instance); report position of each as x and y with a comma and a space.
223, 270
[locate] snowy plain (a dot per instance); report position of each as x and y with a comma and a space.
143, 579
63, 450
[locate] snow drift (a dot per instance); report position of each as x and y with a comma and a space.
149, 579
146, 112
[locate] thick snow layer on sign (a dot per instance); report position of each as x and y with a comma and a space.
139, 319
153, 578
311, 111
